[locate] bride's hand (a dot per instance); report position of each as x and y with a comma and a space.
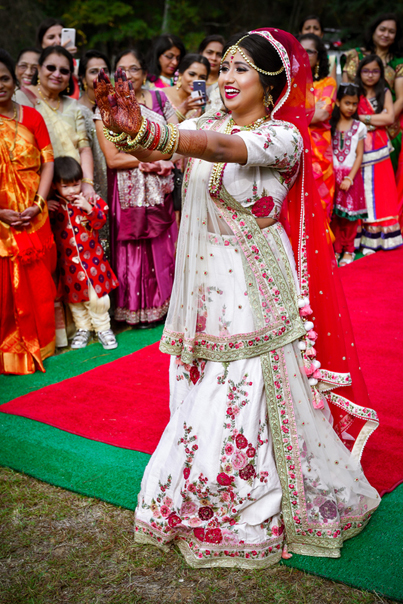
103, 92
127, 113
119, 108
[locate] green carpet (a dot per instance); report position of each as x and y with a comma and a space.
75, 362
372, 561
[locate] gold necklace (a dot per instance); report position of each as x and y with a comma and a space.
9, 119
217, 172
47, 100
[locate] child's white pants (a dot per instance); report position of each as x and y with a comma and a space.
93, 314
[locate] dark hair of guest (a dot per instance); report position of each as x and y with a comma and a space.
379, 87
191, 58
323, 59
43, 28
208, 40
396, 48
62, 52
6, 59
161, 45
345, 89
67, 170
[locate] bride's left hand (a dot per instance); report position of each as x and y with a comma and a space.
119, 108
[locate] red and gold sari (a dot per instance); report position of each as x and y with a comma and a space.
27, 255
321, 142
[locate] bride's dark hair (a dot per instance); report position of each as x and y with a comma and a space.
263, 55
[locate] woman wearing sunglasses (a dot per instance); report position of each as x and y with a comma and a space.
49, 94
163, 60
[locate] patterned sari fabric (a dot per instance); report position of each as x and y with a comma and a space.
321, 142
262, 447
27, 255
381, 230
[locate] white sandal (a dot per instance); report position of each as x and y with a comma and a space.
81, 338
107, 339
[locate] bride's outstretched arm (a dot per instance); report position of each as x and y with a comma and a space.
121, 113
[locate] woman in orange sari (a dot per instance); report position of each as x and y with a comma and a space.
27, 250
325, 89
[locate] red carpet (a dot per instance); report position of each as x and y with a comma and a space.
374, 292
125, 403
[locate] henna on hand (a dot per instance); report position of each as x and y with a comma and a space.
103, 92
127, 112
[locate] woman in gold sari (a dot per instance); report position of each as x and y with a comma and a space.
27, 250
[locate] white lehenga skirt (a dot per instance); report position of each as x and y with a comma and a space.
245, 454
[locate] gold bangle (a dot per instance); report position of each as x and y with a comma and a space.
349, 178
114, 138
40, 202
88, 181
180, 115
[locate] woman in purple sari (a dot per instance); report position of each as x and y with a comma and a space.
143, 227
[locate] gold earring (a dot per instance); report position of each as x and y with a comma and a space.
85, 86
268, 100
144, 81
68, 89
316, 71
179, 83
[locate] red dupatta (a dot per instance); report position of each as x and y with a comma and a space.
317, 269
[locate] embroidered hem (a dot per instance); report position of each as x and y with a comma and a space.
144, 315
247, 556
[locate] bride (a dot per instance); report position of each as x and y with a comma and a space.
269, 413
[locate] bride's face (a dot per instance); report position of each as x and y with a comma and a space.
239, 84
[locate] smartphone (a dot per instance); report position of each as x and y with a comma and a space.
69, 36
199, 90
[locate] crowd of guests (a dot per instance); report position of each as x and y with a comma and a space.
84, 227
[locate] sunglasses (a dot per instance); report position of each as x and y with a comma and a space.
53, 68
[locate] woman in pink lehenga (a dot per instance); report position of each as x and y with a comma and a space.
143, 228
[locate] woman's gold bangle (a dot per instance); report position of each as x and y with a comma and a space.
88, 181
180, 116
40, 202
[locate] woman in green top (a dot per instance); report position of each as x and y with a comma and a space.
383, 38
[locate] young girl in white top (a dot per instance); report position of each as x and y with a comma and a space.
348, 135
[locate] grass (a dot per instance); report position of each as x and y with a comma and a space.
59, 547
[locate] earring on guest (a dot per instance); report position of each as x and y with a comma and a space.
179, 83
85, 86
317, 71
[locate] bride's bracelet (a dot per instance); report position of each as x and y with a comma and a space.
151, 136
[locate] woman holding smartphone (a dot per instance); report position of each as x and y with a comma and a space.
192, 67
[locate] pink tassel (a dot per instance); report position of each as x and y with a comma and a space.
317, 374
311, 352
312, 335
317, 400
307, 310
309, 370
